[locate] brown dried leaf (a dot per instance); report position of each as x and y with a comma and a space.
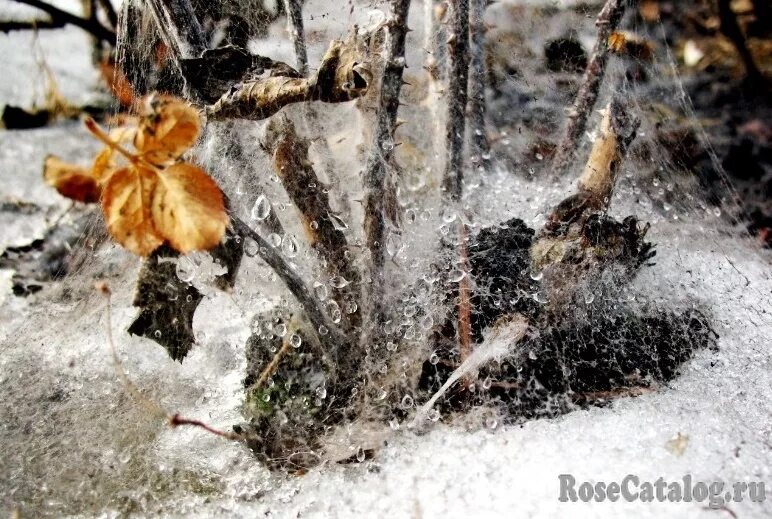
188, 208
126, 199
167, 129
71, 180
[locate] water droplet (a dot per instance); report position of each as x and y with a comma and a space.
185, 270
536, 276
251, 248
589, 297
360, 454
407, 401
717, 212
267, 397
320, 290
295, 340
540, 297
387, 145
456, 275
434, 359
427, 322
314, 225
274, 239
391, 346
157, 334
280, 330
433, 415
321, 392
487, 383
338, 282
289, 246
334, 310
393, 245
337, 223
351, 307
323, 330
491, 423
261, 209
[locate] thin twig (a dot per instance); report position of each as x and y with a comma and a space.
334, 340
273, 365
374, 179
458, 48
587, 96
153, 407
294, 9
479, 145
33, 25
59, 16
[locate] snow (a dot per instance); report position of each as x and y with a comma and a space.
73, 443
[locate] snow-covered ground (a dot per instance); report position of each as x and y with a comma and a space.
73, 443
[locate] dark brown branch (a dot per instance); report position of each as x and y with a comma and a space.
376, 170
59, 16
585, 100
11, 25
294, 9
110, 13
458, 48
479, 145
179, 27
341, 77
731, 29
334, 340
293, 167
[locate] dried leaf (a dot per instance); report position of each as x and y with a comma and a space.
188, 208
628, 44
126, 199
117, 82
167, 129
73, 181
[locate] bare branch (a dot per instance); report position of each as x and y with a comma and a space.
33, 25
59, 16
381, 153
607, 22
334, 340
294, 9
479, 145
458, 47
293, 167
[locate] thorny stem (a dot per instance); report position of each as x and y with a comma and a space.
381, 152
458, 47
289, 154
480, 147
587, 96
294, 9
59, 16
